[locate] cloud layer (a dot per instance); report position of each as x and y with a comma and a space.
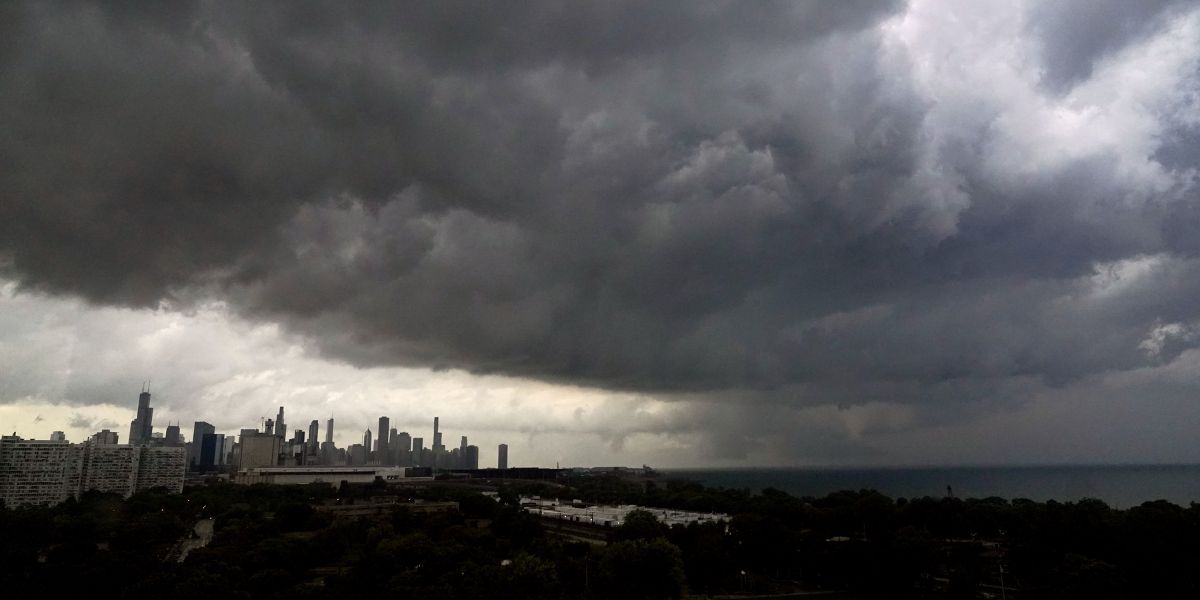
938, 205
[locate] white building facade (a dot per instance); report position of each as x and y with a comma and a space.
40, 472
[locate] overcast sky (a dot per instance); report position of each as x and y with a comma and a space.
682, 234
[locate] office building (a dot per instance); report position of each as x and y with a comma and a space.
329, 454
211, 447
471, 457
172, 437
258, 449
58, 436
280, 426
403, 444
296, 450
105, 437
141, 429
227, 449
502, 457
418, 452
199, 430
356, 454
383, 452
329, 430
314, 429
366, 443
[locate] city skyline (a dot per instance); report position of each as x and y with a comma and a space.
341, 437
49, 470
200, 453
683, 234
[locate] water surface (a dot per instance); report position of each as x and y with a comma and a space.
1119, 485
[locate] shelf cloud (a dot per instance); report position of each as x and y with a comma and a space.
946, 207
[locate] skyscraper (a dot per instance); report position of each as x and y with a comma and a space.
403, 443
437, 436
356, 454
313, 429
211, 447
382, 455
172, 436
142, 427
329, 430
259, 449
280, 426
418, 450
471, 457
502, 458
367, 441
199, 430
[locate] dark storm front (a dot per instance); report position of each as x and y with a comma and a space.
1118, 485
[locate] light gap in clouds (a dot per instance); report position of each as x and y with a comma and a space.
62, 359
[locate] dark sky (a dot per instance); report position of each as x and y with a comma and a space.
801, 232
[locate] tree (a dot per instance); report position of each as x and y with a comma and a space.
509, 495
640, 525
641, 569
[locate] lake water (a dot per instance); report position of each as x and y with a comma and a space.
1119, 485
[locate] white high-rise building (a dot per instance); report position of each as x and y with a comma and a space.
33, 471
48, 472
125, 469
109, 468
161, 467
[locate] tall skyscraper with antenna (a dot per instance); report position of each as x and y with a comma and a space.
141, 429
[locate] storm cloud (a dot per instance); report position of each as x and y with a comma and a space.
948, 205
